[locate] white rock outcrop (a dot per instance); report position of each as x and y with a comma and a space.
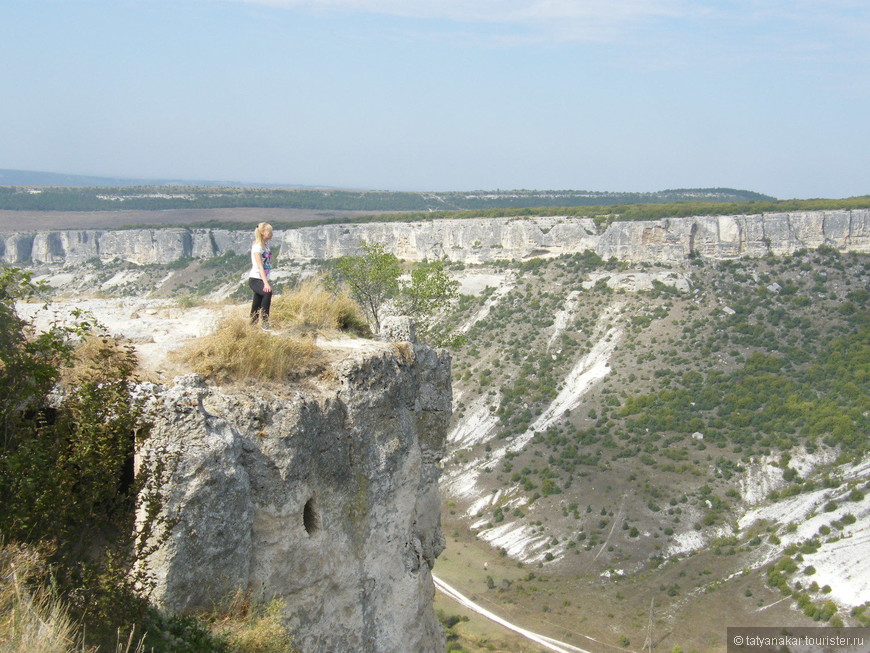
326, 497
671, 240
478, 240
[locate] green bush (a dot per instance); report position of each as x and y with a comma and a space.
181, 634
70, 429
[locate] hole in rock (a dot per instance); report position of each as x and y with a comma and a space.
310, 518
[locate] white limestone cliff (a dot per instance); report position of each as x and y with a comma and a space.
325, 495
477, 240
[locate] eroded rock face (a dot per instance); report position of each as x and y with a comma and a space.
327, 497
670, 240
673, 240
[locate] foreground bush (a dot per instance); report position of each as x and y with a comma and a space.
67, 487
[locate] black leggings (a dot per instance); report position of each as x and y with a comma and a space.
262, 301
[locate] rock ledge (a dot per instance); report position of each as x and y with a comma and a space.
329, 501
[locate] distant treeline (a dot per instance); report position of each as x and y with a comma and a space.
601, 214
157, 198
414, 207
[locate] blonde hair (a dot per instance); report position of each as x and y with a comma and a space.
260, 233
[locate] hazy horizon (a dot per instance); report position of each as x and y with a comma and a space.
74, 179
637, 96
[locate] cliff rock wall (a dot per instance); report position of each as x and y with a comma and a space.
724, 237
325, 496
669, 240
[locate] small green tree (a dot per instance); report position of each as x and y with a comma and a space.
429, 290
29, 366
373, 279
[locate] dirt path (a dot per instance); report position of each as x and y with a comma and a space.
616, 519
547, 642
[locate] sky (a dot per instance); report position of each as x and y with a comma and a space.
438, 95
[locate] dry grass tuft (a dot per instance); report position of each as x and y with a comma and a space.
239, 351
312, 307
405, 351
254, 628
100, 357
31, 620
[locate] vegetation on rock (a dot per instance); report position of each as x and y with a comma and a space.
239, 350
373, 279
69, 536
311, 307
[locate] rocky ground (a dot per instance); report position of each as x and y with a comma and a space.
155, 327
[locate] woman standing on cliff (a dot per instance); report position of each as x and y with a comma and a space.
259, 280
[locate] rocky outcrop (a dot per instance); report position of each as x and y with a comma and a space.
669, 240
725, 237
326, 497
